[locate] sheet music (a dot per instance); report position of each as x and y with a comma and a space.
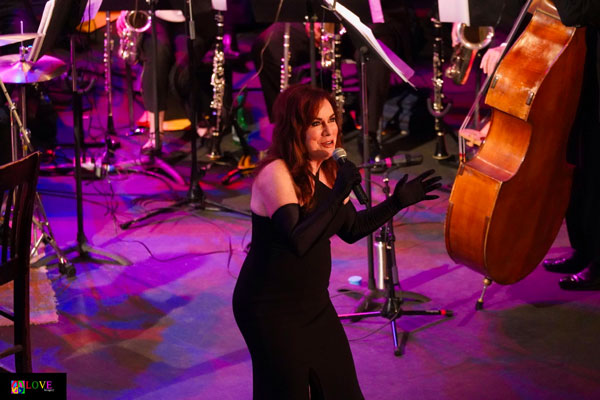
91, 9
376, 11
219, 5
454, 11
42, 28
387, 56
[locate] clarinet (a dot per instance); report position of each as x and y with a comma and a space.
108, 46
218, 83
285, 60
436, 107
336, 81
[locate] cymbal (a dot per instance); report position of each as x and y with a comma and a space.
13, 70
11, 38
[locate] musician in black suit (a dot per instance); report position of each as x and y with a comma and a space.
583, 215
398, 33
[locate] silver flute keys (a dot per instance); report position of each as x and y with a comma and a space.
286, 69
336, 81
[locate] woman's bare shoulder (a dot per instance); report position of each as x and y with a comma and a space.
272, 188
274, 171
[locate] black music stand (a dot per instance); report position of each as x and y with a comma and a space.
195, 195
368, 46
65, 19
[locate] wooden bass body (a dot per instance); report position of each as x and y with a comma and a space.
508, 202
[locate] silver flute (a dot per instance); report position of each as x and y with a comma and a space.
336, 79
285, 60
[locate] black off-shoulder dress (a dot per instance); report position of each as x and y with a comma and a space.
281, 302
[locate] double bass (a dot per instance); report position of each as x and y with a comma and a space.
508, 202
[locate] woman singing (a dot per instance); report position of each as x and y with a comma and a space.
299, 201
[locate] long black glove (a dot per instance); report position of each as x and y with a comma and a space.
360, 224
302, 234
411, 192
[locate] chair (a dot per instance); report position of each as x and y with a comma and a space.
18, 182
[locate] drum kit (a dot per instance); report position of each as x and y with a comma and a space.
14, 68
17, 69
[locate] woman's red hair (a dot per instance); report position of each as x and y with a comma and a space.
294, 110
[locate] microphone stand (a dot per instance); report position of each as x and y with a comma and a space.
389, 283
364, 52
195, 195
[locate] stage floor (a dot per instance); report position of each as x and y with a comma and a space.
162, 327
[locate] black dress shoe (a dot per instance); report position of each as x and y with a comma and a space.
588, 279
565, 265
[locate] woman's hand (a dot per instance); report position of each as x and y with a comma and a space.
347, 176
411, 192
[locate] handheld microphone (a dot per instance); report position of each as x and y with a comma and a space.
339, 155
400, 160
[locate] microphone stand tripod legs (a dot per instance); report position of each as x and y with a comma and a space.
47, 237
40, 220
394, 297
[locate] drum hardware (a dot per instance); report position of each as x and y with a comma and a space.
14, 68
12, 38
40, 219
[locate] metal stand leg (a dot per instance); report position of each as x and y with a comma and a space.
43, 224
40, 220
487, 281
392, 308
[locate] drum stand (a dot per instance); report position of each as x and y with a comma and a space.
40, 219
388, 273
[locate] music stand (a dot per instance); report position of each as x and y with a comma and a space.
195, 195
82, 247
369, 46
